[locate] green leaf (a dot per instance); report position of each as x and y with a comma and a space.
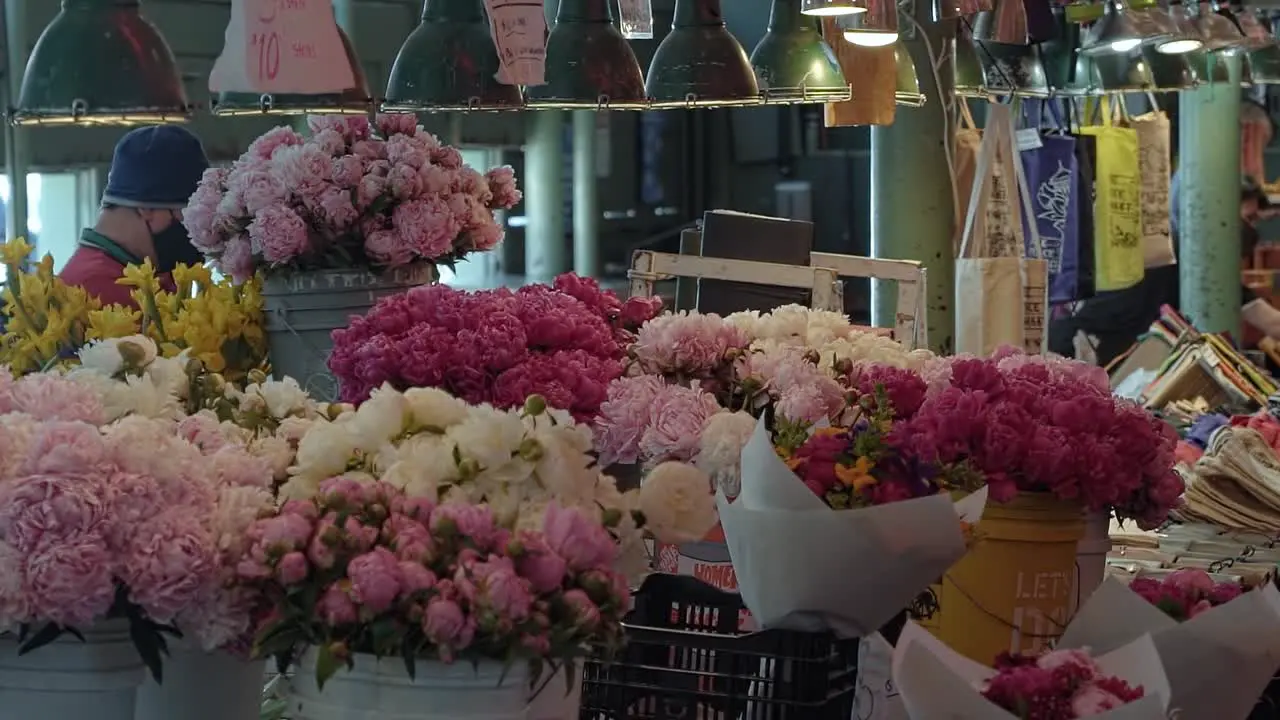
327, 664
44, 636
148, 643
409, 651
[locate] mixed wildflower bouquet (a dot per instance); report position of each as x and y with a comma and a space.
123, 519
1063, 684
366, 570
1033, 425
352, 194
434, 446
46, 321
692, 375
563, 342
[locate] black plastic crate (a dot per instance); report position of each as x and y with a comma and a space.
685, 659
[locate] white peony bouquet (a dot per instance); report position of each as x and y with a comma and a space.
836, 340
436, 446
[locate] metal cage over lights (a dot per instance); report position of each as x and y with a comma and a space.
101, 62
906, 89
700, 63
354, 100
589, 63
793, 64
965, 68
1170, 72
449, 62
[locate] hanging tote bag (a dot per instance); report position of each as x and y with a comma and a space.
1117, 205
1053, 183
1153, 167
968, 142
1086, 285
990, 285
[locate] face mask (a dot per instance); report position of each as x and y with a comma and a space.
173, 246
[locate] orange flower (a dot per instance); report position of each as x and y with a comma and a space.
828, 431
858, 475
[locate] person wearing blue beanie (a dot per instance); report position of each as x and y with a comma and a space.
153, 172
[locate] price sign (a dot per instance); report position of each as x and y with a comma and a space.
637, 19
519, 30
282, 46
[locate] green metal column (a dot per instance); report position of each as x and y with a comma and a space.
545, 251
1209, 202
586, 197
912, 206
17, 142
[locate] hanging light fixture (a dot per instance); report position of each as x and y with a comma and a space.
793, 63
1169, 72
828, 8
1264, 63
877, 27
940, 10
965, 68
589, 63
906, 80
1256, 35
1121, 72
1005, 23
1069, 71
1177, 34
1012, 69
1218, 32
449, 62
101, 62
1118, 31
354, 100
700, 63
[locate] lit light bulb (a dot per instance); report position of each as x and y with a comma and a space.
870, 38
1179, 47
1122, 46
830, 8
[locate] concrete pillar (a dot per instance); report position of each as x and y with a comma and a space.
545, 250
586, 198
912, 205
17, 141
1209, 203
61, 216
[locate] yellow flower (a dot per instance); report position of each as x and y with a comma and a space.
142, 277
858, 475
15, 252
114, 321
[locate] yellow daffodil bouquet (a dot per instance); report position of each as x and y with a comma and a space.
214, 321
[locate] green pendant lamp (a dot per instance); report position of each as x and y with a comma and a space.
1119, 31
966, 70
1069, 71
589, 63
1170, 72
101, 62
354, 100
793, 63
907, 80
700, 63
449, 62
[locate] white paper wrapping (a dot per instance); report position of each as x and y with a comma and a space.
937, 683
803, 566
1218, 663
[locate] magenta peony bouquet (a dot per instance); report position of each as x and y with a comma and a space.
1058, 685
123, 521
364, 570
1034, 426
1186, 593
353, 194
564, 342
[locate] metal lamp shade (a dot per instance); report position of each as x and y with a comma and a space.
877, 27
828, 8
589, 63
1264, 66
966, 70
700, 63
1169, 72
793, 63
1005, 23
1177, 34
1256, 33
1069, 71
1217, 32
1012, 69
101, 62
1122, 73
1209, 66
351, 101
907, 86
1118, 31
449, 62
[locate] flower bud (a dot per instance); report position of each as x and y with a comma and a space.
535, 405
468, 468
530, 450
340, 651
257, 377
135, 356
194, 365
611, 517
515, 549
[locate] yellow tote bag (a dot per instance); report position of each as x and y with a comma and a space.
1117, 205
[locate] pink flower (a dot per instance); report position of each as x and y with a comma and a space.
416, 577
1190, 581
388, 248
336, 606
584, 610
280, 233
65, 447
474, 522
237, 259
502, 590
376, 580
446, 625
347, 171
624, 417
284, 532
1093, 700
266, 145
542, 567
292, 568
38, 510
428, 226
674, 424
685, 343
49, 396
258, 189
168, 562
584, 544
394, 123
71, 582
502, 183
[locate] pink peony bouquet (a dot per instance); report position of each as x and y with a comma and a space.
352, 194
1057, 685
564, 342
1184, 594
125, 521
362, 570
1027, 425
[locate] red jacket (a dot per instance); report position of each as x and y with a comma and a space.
97, 272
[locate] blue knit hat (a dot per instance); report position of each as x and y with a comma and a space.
155, 167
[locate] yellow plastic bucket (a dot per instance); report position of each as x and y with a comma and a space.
1014, 591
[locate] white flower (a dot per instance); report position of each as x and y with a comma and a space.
148, 399
283, 398
382, 417
276, 452
720, 447
102, 356
300, 487
434, 408
489, 437
170, 374
425, 463
326, 450
677, 503
564, 469
236, 510
292, 429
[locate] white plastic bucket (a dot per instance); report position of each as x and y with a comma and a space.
203, 686
68, 679
1091, 556
381, 690
552, 700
